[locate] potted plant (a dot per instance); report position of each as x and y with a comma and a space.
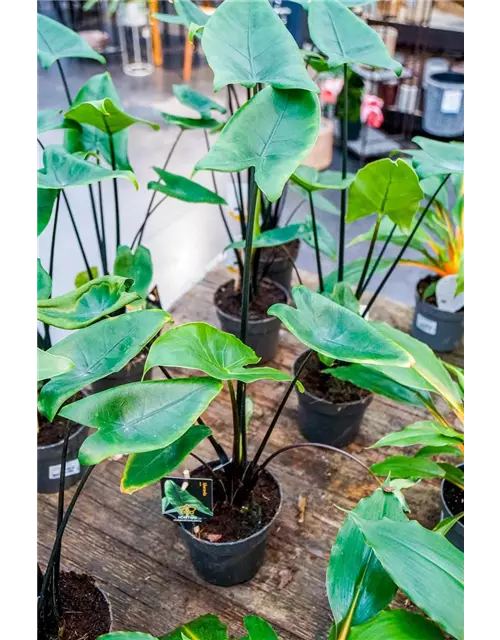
439, 315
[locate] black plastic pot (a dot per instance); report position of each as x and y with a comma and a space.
229, 563
131, 373
49, 463
440, 330
280, 270
328, 423
456, 534
262, 336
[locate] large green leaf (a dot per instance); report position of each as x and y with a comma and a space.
437, 158
246, 43
428, 367
320, 202
273, 132
344, 295
207, 627
453, 474
90, 138
357, 585
387, 188
197, 101
258, 629
87, 304
397, 625
346, 39
45, 199
141, 416
326, 242
55, 41
311, 179
50, 366
398, 237
62, 169
189, 12
192, 123
97, 351
177, 497
143, 469
136, 265
272, 238
353, 271
43, 281
52, 119
376, 382
105, 116
127, 635
408, 467
200, 346
424, 432
183, 188
335, 332
424, 564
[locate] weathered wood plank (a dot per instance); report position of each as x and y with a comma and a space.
138, 558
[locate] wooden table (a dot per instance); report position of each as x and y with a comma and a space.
138, 558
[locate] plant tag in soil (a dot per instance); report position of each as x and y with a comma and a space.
445, 294
72, 468
187, 500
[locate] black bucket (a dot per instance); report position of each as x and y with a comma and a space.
440, 330
49, 463
262, 335
328, 423
130, 373
456, 534
229, 563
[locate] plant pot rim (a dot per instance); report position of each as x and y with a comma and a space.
365, 400
434, 308
458, 524
268, 320
209, 544
45, 447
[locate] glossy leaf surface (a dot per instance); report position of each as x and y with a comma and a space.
207, 627
343, 294
45, 199
258, 629
353, 271
424, 432
192, 123
43, 281
183, 188
408, 467
197, 101
136, 265
50, 366
82, 277
105, 116
397, 625
312, 180
437, 158
52, 119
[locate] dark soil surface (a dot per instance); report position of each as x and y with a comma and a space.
230, 522
85, 612
454, 498
326, 387
53, 432
422, 286
228, 299
275, 254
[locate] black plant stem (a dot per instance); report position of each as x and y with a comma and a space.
405, 246
242, 208
343, 195
359, 288
140, 232
53, 241
293, 213
96, 226
235, 95
236, 195
65, 83
236, 423
115, 186
377, 261
294, 266
103, 228
205, 465
219, 450
79, 240
316, 244
60, 511
57, 543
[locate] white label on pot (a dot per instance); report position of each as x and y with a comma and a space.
445, 294
72, 468
451, 101
426, 324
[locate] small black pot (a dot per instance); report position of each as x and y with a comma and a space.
263, 335
229, 563
456, 534
440, 330
281, 269
128, 374
328, 423
49, 463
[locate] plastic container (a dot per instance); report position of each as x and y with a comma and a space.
444, 105
328, 423
440, 330
262, 335
456, 534
229, 563
434, 65
49, 463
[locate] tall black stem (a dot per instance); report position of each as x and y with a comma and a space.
65, 83
79, 240
115, 185
53, 241
103, 228
343, 195
96, 226
288, 220
60, 511
405, 246
242, 208
316, 244
236, 423
377, 261
57, 543
373, 240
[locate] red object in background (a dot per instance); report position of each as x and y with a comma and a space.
371, 111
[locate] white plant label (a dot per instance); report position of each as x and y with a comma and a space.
445, 294
426, 324
72, 468
451, 101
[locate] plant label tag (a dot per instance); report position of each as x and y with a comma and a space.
426, 324
187, 500
445, 294
451, 101
72, 468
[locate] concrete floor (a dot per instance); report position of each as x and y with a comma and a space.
185, 240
